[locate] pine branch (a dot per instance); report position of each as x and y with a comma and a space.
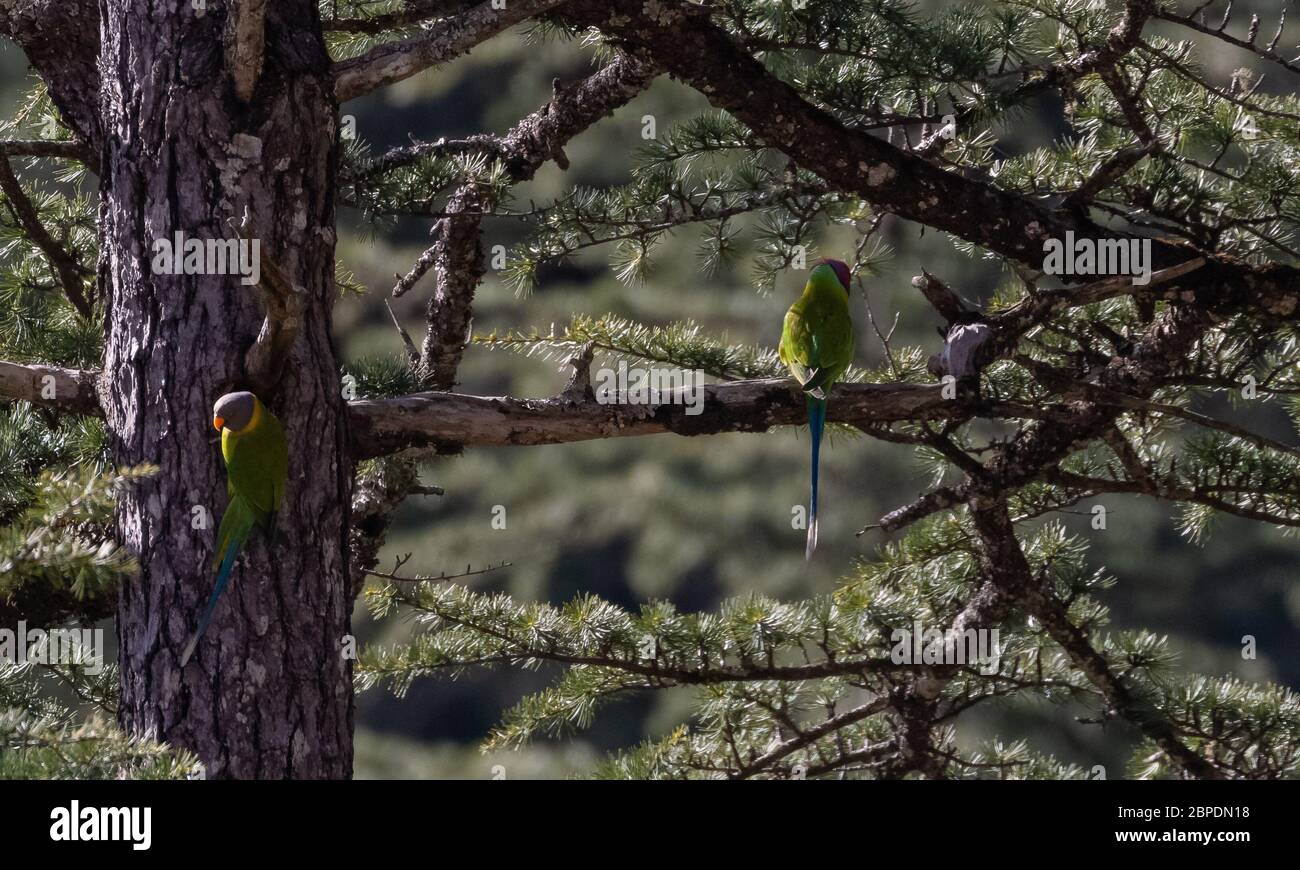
456, 253
64, 149
395, 61
693, 48
681, 345
448, 421
59, 561
70, 273
67, 389
1006, 566
1174, 492
1265, 51
413, 12
404, 155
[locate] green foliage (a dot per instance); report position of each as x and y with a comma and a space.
32, 440
42, 737
377, 376
36, 321
1252, 729
636, 218
415, 187
809, 688
61, 542
680, 345
1225, 173
59, 550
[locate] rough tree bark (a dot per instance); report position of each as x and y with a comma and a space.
269, 692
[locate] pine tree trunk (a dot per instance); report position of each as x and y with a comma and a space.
268, 694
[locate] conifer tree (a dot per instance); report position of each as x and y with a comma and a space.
222, 120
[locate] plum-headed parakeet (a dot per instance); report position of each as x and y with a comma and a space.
817, 346
257, 462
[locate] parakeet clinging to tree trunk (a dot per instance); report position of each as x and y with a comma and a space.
257, 462
817, 346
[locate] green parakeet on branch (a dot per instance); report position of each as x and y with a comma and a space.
817, 346
257, 462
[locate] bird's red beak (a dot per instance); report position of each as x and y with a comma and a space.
218, 422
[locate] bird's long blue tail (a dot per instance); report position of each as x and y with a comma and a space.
223, 576
816, 425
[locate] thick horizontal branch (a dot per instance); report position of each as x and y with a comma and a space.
381, 426
67, 149
452, 421
395, 61
66, 389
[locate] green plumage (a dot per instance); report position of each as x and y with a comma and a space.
257, 464
817, 346
817, 342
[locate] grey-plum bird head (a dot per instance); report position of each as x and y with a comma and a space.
233, 411
841, 270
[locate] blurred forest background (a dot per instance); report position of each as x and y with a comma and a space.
697, 520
